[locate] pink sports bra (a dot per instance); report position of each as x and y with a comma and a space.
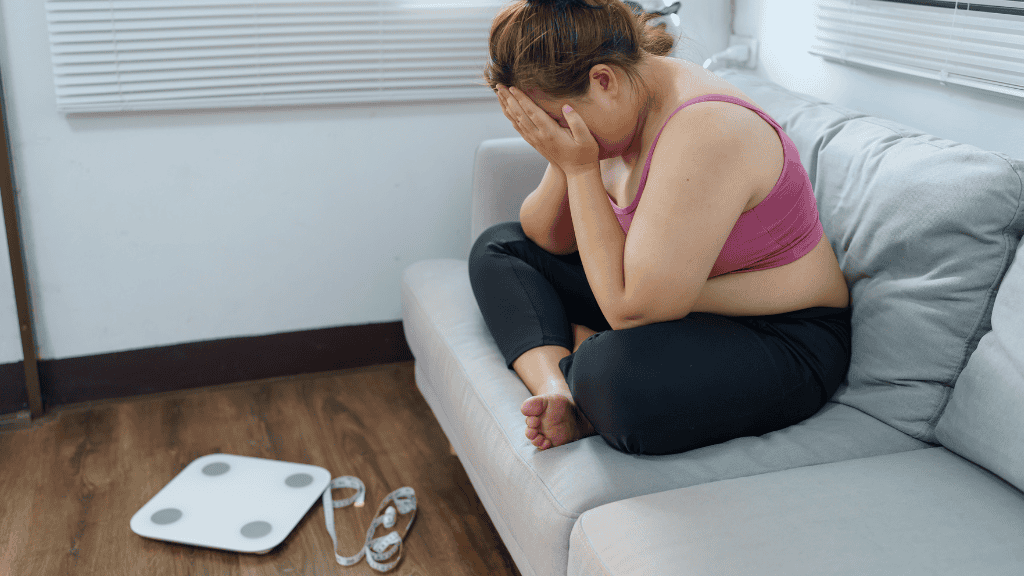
779, 230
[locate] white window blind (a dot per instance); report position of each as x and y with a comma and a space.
115, 55
977, 44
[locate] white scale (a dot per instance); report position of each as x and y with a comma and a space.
245, 504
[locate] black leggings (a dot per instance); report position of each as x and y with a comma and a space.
665, 387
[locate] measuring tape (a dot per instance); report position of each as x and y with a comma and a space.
377, 550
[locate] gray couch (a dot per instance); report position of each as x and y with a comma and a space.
915, 466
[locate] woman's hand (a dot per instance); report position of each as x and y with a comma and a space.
571, 149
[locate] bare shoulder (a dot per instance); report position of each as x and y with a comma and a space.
712, 121
720, 149
721, 132
731, 137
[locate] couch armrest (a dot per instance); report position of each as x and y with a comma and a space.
505, 171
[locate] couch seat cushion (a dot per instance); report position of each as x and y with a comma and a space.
535, 497
924, 230
926, 512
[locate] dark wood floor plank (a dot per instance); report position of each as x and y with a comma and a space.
70, 482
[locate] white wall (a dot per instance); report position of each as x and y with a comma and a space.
786, 31
703, 27
146, 230
153, 229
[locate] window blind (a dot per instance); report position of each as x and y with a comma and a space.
977, 44
118, 55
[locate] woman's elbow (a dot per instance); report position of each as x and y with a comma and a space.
626, 320
624, 323
637, 319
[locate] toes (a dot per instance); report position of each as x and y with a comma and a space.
532, 422
531, 433
545, 445
533, 406
540, 440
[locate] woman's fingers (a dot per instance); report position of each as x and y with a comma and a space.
520, 122
532, 123
503, 97
523, 109
512, 108
519, 111
505, 110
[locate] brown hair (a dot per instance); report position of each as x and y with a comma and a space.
551, 45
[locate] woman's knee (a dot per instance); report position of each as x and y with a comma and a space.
603, 385
489, 248
496, 238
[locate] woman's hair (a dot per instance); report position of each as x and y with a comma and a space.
551, 45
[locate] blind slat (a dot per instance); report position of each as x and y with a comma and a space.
98, 63
73, 63
466, 69
162, 49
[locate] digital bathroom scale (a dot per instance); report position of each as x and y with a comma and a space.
235, 503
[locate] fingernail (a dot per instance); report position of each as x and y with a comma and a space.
566, 109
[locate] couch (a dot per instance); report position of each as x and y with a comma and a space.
915, 465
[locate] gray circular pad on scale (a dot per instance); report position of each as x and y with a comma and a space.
299, 480
257, 529
166, 516
216, 469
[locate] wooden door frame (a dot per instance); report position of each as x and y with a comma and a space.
15, 248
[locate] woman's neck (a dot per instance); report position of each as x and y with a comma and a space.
657, 96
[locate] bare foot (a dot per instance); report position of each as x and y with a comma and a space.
553, 420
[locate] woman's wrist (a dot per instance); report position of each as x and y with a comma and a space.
581, 171
578, 170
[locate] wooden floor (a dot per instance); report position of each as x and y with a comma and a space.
71, 481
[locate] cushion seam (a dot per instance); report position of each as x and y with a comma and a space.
590, 546
986, 313
1009, 246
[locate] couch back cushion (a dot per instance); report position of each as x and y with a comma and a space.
505, 172
984, 420
924, 230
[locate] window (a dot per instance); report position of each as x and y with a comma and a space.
115, 55
977, 44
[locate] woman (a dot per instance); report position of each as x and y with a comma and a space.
669, 285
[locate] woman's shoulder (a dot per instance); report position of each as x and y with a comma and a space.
697, 83
709, 122
692, 81
706, 107
723, 134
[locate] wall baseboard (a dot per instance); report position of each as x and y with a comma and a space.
13, 396
209, 363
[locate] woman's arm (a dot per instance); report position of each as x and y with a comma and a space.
545, 214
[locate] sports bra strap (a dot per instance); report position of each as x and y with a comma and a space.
697, 100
